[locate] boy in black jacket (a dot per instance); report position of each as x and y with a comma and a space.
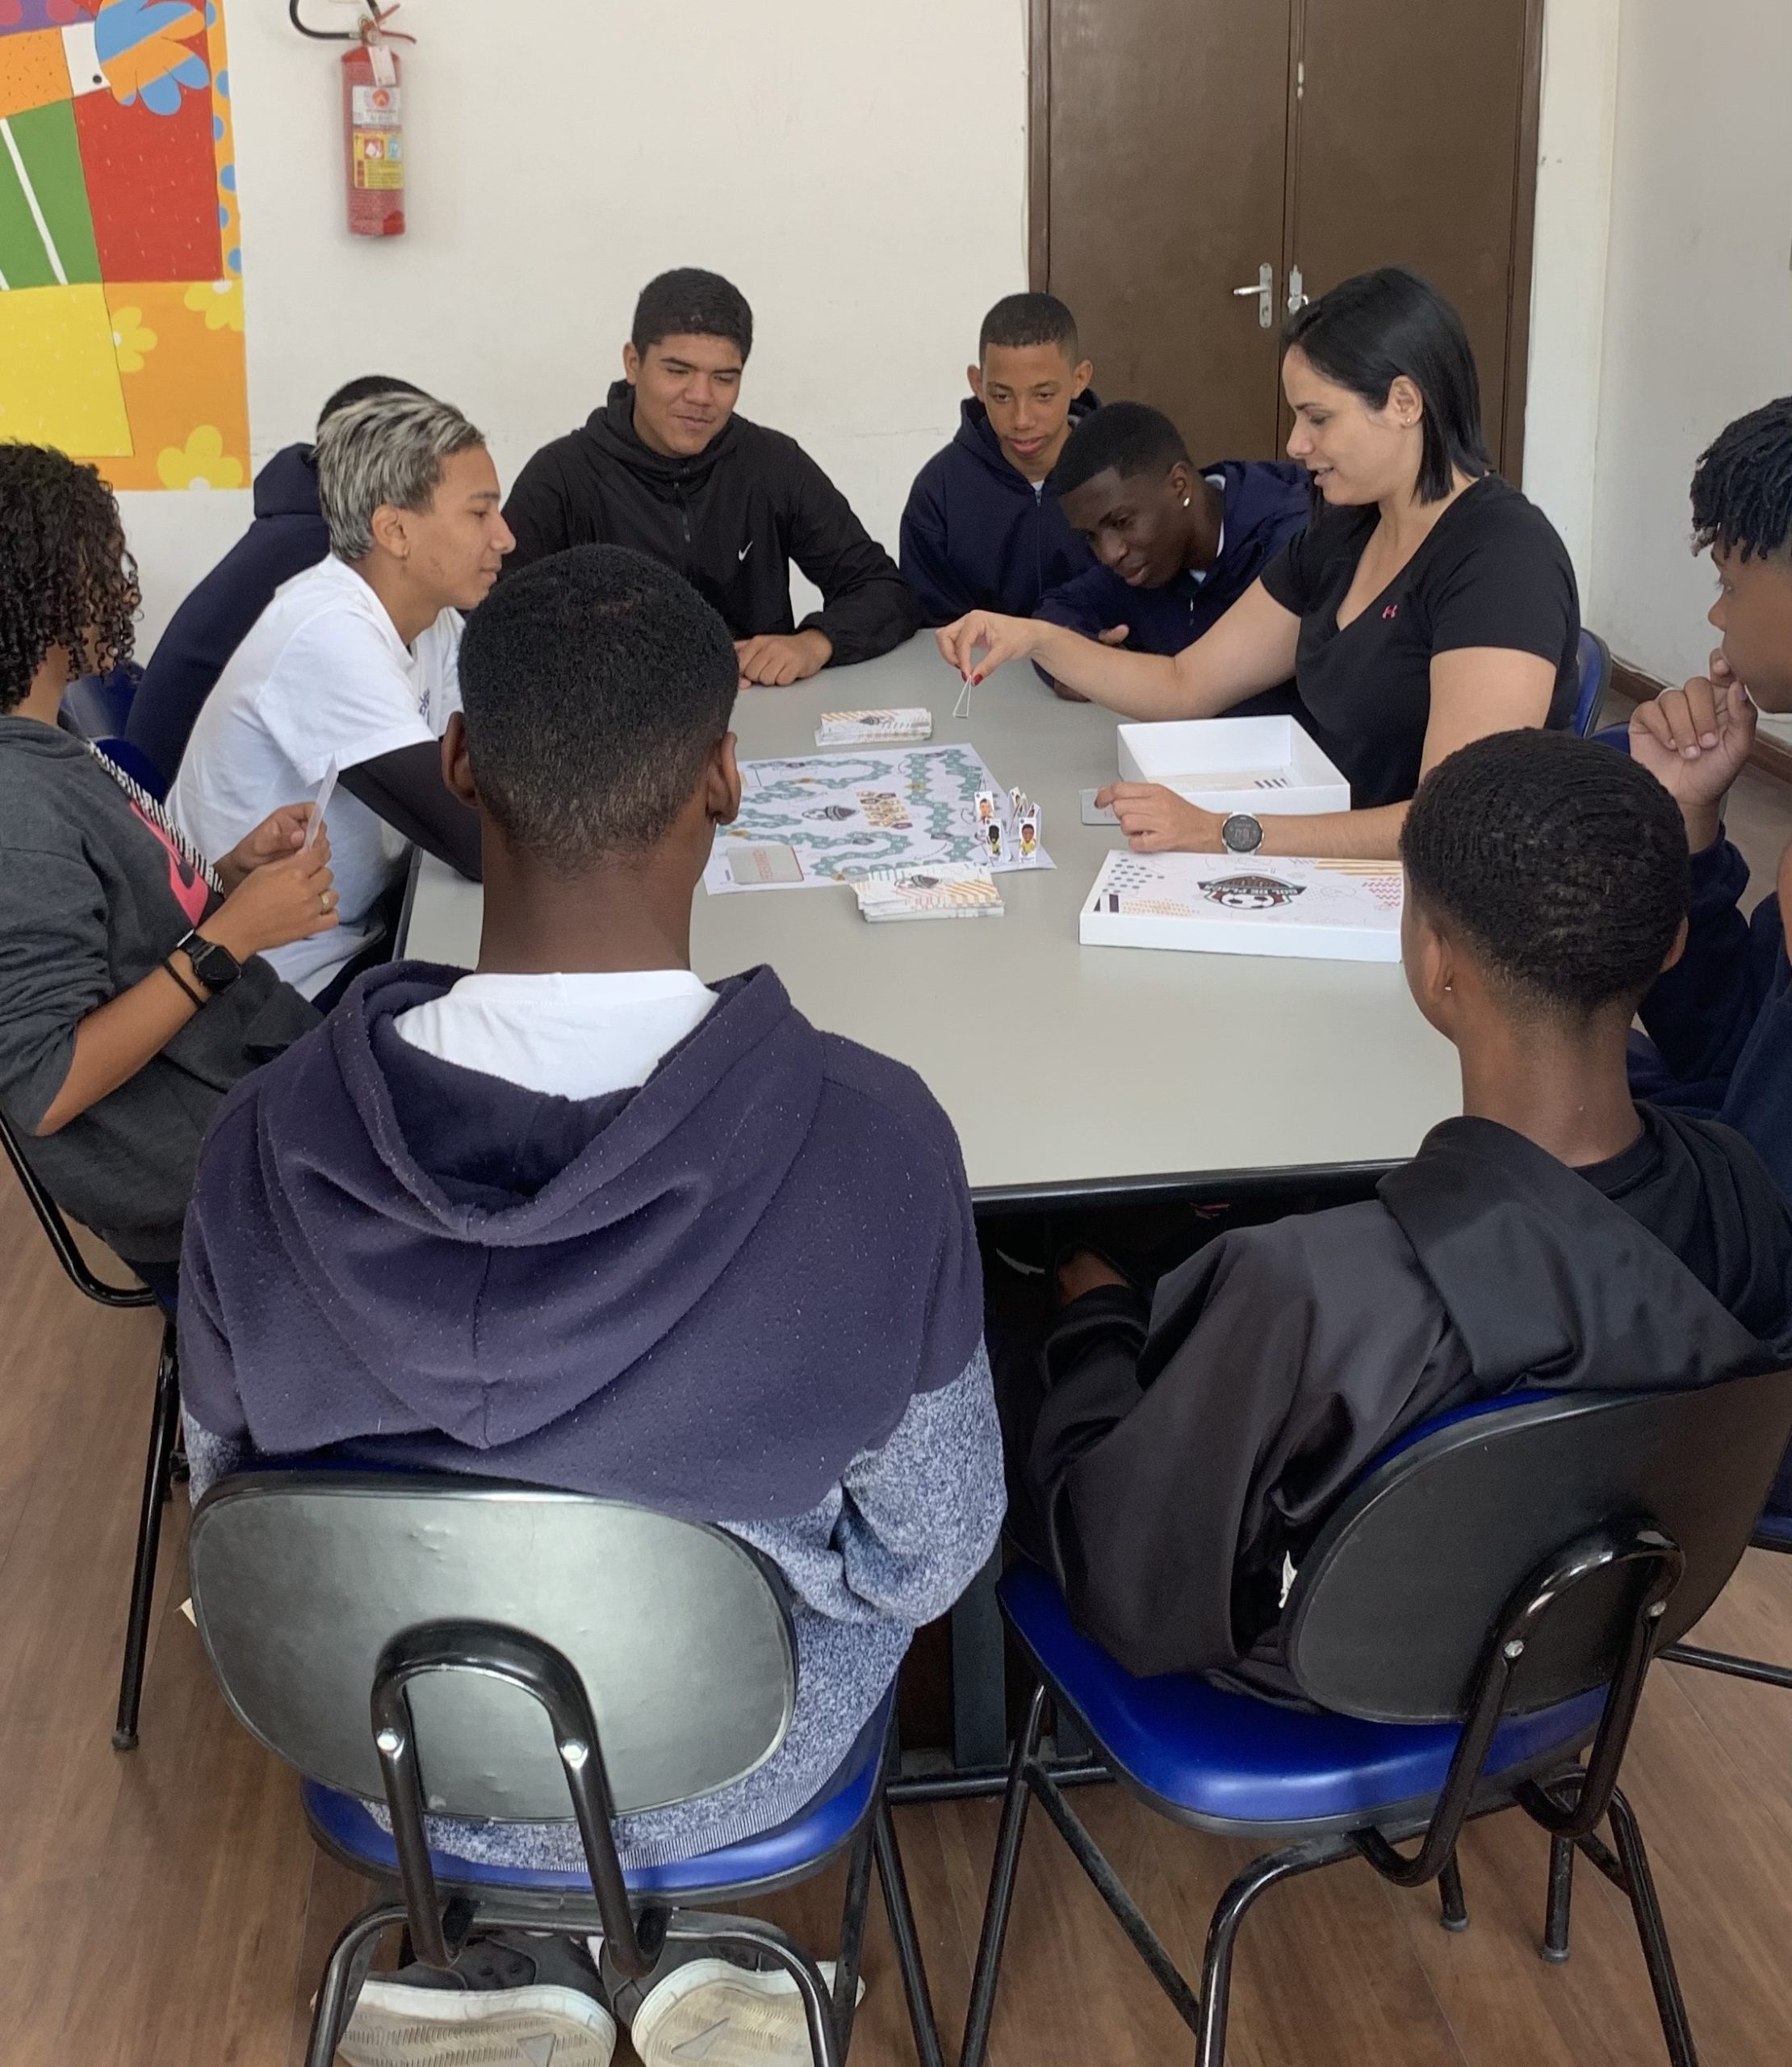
667, 467
1721, 1021
1185, 1450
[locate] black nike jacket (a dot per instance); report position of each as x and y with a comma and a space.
730, 520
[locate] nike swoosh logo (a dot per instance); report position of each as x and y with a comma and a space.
744, 550
700, 2047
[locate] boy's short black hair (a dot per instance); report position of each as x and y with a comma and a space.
363, 389
65, 578
1742, 485
689, 302
1130, 437
595, 683
1562, 862
1019, 320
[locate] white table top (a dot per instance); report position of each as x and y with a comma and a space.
1063, 1067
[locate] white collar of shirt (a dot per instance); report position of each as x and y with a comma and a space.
1199, 574
332, 575
568, 1036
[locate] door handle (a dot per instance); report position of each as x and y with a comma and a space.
1263, 286
1297, 292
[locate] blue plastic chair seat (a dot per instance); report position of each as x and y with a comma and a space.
1774, 1529
1229, 1762
347, 1824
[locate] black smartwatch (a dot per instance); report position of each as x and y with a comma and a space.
216, 966
1241, 834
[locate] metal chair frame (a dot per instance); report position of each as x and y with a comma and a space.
160, 1466
1569, 1799
440, 1915
1730, 1662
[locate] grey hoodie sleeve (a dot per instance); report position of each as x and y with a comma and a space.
53, 971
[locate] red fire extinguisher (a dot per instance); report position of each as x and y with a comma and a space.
373, 129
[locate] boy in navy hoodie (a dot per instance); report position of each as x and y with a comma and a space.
982, 531
579, 1219
287, 536
1175, 545
1721, 1021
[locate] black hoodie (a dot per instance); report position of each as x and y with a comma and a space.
731, 519
1178, 1461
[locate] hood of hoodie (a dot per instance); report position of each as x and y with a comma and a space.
288, 485
974, 435
1548, 1281
612, 430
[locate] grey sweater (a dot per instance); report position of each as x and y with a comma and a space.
93, 896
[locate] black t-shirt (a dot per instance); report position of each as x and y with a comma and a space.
1492, 573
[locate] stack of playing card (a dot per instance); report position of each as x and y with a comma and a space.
874, 727
932, 890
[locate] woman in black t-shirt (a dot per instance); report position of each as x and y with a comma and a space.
1427, 604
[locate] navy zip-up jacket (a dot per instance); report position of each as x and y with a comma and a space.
978, 535
287, 536
1266, 503
1720, 1020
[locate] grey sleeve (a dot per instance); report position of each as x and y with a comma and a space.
911, 1522
54, 969
210, 1457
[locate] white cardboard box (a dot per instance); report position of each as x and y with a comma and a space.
1238, 904
1265, 766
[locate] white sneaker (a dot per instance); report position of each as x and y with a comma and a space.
394, 2025
712, 2014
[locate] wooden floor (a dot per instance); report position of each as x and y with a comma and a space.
167, 1906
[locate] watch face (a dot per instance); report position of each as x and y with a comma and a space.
1242, 833
215, 966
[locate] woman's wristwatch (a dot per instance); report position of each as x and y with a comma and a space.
1241, 834
216, 966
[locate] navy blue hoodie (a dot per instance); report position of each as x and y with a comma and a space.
1266, 503
287, 536
1721, 1019
978, 535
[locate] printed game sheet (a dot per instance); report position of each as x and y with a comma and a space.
1346, 911
830, 818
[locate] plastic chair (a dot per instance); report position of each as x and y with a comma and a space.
1773, 1532
158, 1471
98, 707
136, 764
532, 1652
1595, 667
1482, 1605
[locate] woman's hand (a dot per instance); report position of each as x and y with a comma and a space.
1156, 821
1000, 639
279, 902
275, 837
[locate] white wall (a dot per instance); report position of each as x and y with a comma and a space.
859, 172
1698, 298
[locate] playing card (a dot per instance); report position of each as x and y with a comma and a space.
318, 805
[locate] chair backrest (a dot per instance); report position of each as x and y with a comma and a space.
1595, 679
135, 764
1391, 1611
55, 1232
99, 706
682, 1640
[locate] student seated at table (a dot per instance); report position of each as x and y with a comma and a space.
133, 992
1178, 1452
353, 668
981, 531
1427, 603
288, 534
667, 467
1720, 1021
1175, 545
580, 1219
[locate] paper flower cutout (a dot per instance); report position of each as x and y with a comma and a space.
219, 302
201, 463
138, 43
131, 340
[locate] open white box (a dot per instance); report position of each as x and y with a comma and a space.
1267, 766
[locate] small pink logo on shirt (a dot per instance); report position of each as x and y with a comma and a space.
1392, 611
190, 889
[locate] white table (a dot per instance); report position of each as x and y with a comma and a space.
1068, 1071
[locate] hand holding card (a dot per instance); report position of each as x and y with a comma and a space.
319, 804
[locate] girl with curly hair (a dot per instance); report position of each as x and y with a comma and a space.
132, 995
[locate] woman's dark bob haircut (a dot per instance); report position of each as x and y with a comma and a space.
1370, 330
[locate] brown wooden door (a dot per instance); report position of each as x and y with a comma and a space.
1159, 147
1413, 146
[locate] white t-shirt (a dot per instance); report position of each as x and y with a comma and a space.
572, 1036
322, 676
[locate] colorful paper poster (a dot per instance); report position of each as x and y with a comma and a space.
121, 299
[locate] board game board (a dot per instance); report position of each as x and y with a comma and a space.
829, 818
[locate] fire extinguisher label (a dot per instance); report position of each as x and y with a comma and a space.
378, 158
377, 108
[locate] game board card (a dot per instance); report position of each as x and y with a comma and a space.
1096, 814
993, 836
948, 889
753, 867
318, 805
874, 727
986, 806
1026, 833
